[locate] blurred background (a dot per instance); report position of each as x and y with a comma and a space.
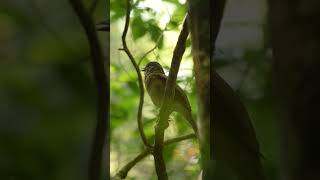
242, 58
48, 101
48, 96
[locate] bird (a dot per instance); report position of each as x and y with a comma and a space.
155, 82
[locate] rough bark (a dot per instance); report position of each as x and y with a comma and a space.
199, 23
228, 143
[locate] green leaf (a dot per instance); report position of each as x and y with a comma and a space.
176, 2
154, 31
138, 27
118, 10
178, 15
160, 43
173, 25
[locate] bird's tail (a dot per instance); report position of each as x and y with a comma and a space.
188, 116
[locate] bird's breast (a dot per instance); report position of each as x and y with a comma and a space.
155, 88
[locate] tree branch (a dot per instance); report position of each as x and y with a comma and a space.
136, 67
167, 99
155, 46
151, 50
102, 126
125, 169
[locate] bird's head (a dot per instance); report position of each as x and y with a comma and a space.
153, 67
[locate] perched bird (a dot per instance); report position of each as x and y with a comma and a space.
155, 82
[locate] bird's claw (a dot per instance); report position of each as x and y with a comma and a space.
163, 125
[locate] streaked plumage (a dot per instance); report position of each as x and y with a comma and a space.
155, 81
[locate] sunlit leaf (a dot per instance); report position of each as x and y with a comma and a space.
138, 27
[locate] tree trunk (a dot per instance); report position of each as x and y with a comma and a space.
199, 24
295, 28
228, 143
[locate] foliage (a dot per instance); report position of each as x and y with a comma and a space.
48, 105
146, 31
48, 102
247, 73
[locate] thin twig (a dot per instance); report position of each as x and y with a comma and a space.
167, 99
158, 40
124, 69
100, 75
125, 169
136, 67
151, 50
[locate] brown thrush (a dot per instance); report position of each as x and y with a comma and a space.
155, 81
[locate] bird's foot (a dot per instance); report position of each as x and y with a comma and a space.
162, 125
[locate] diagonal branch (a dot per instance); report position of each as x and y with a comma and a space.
136, 67
95, 161
155, 46
125, 169
151, 50
167, 99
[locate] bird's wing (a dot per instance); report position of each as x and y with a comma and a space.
181, 97
157, 86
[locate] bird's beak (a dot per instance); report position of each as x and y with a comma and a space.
142, 69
